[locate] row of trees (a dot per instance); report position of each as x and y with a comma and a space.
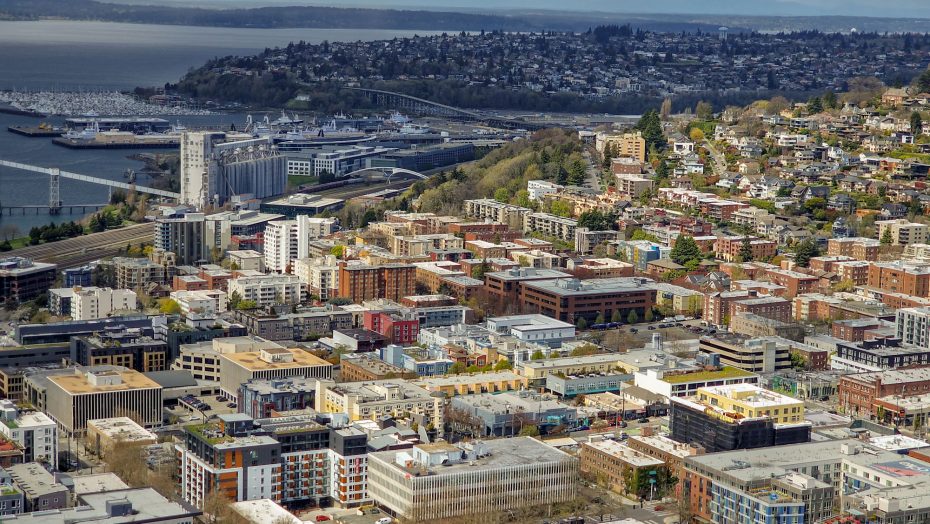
53, 232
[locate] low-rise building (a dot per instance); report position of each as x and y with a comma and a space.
103, 435
758, 355
239, 368
440, 480
625, 469
376, 399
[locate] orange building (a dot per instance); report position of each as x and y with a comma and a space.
360, 282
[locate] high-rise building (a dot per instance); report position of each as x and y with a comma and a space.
360, 282
288, 240
216, 166
184, 236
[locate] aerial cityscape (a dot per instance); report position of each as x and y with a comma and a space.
277, 262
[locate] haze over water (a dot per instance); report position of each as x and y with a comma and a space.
66, 55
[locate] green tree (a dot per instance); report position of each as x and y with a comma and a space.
585, 350
599, 319
685, 250
503, 365
806, 251
561, 208
247, 304
617, 316
582, 324
456, 368
745, 250
814, 106
923, 82
649, 316
632, 317
886, 237
829, 100
234, 300
529, 431
650, 125
502, 194
338, 251
537, 355
917, 123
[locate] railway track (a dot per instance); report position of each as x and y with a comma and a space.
80, 250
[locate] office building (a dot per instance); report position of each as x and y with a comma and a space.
859, 392
535, 328
684, 381
22, 279
73, 399
216, 166
125, 348
440, 480
570, 299
738, 416
506, 414
757, 355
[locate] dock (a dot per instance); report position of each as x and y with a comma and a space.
35, 132
139, 143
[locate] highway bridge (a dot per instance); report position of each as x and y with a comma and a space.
427, 107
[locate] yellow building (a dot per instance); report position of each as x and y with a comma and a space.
631, 145
750, 401
379, 398
681, 300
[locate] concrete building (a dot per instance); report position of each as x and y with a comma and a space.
570, 299
753, 325
440, 480
247, 259
757, 355
227, 229
858, 248
586, 240
119, 506
89, 303
631, 145
289, 240
535, 328
184, 236
203, 302
321, 275
550, 225
685, 382
633, 185
912, 326
506, 414
367, 367
239, 368
73, 399
264, 398
473, 383
490, 209
217, 166
41, 489
103, 435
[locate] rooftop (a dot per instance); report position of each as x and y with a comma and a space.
253, 361
706, 375
625, 453
79, 383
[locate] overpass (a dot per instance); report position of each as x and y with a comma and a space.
427, 107
55, 174
388, 172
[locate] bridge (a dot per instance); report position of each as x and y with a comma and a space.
427, 107
55, 176
388, 172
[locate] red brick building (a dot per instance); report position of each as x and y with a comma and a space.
795, 283
900, 278
854, 330
363, 282
395, 328
857, 393
857, 248
728, 248
570, 299
775, 308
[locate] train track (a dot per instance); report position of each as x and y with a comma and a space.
80, 250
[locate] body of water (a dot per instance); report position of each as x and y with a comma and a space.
66, 55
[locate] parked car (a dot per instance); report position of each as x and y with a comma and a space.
384, 520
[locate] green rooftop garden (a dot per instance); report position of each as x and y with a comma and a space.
725, 372
200, 431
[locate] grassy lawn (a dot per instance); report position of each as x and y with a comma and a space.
300, 180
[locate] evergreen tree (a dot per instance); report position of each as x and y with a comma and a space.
886, 237
917, 123
582, 324
829, 100
685, 250
632, 317
650, 125
745, 250
814, 106
806, 251
617, 316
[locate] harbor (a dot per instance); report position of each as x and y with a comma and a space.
119, 142
39, 131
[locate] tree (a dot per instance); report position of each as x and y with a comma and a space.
168, 306
805, 252
917, 123
247, 304
529, 431
502, 194
338, 251
503, 365
585, 350
696, 134
537, 355
650, 125
745, 250
922, 83
666, 110
456, 368
829, 100
617, 316
685, 250
814, 106
649, 316
704, 110
632, 317
582, 324
599, 319
886, 237
234, 300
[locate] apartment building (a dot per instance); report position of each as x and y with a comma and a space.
361, 282
550, 225
490, 209
631, 145
729, 248
859, 248
372, 400
903, 231
858, 392
184, 236
738, 416
632, 185
268, 290
900, 277
204, 301
32, 431
288, 240
321, 275
912, 326
775, 308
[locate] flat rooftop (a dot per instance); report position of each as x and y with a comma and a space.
625, 453
502, 453
123, 429
467, 378
252, 360
79, 384
707, 375
761, 463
